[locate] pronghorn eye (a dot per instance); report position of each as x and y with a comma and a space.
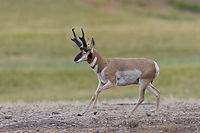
85, 50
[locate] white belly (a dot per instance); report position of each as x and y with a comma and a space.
127, 77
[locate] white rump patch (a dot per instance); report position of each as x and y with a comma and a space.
157, 69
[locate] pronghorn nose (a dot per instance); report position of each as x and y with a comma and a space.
78, 57
75, 60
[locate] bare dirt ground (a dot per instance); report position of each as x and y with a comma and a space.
174, 116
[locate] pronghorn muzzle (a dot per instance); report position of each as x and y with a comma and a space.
78, 57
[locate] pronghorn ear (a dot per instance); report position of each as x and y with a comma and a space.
93, 42
90, 44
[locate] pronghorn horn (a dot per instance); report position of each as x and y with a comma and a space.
83, 39
75, 39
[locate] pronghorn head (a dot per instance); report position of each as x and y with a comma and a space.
86, 49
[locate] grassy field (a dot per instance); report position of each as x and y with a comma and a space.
36, 53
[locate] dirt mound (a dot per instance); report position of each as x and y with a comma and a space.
175, 116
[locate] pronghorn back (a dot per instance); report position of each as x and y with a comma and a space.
145, 66
123, 71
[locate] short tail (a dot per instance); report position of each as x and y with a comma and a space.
157, 69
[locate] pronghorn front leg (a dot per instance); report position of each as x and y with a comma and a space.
92, 99
100, 88
108, 85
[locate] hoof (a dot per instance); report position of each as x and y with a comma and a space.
126, 116
95, 113
79, 114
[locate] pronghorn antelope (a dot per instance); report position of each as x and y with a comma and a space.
117, 72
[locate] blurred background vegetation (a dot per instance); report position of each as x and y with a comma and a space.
36, 53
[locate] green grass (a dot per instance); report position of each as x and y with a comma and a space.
188, 6
71, 84
36, 53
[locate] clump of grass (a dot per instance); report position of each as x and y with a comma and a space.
128, 123
188, 6
168, 127
132, 123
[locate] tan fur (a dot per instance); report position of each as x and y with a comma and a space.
121, 71
102, 62
146, 66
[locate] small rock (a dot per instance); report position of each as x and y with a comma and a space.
55, 113
95, 113
73, 124
148, 114
96, 131
79, 115
8, 117
62, 118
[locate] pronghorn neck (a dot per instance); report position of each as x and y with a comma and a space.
96, 61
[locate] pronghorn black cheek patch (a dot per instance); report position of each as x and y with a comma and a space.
90, 55
78, 56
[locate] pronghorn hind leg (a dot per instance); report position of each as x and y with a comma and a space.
156, 92
142, 87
